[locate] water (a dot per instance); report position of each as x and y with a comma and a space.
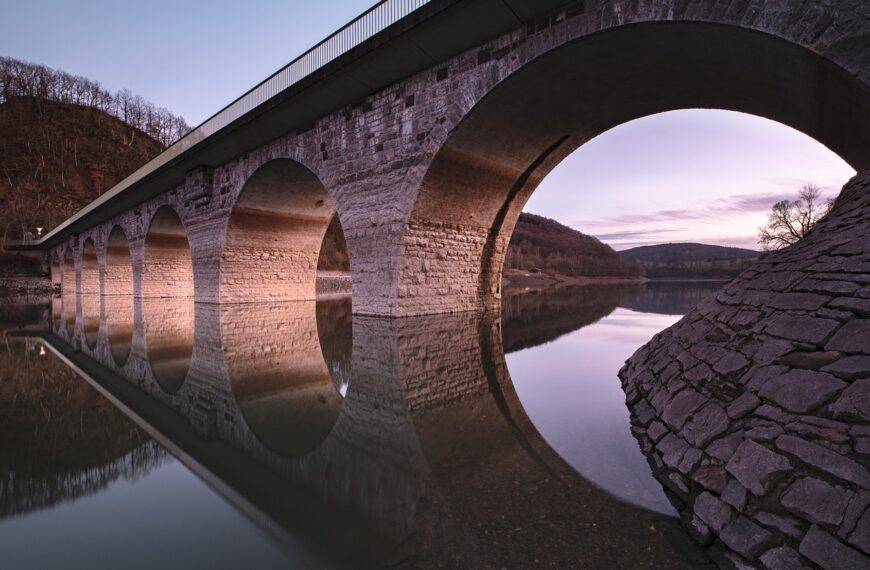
168, 434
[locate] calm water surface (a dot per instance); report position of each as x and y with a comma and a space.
165, 434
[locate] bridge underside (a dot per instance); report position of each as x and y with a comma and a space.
427, 178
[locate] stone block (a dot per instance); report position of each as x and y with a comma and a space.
850, 367
853, 337
744, 404
830, 553
734, 494
745, 537
784, 524
801, 390
706, 424
802, 328
854, 402
712, 511
681, 407
860, 537
817, 501
825, 459
757, 467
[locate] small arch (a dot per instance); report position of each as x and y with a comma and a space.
168, 327
167, 265
274, 235
69, 275
91, 318
90, 270
118, 272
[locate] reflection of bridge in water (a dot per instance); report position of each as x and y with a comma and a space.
396, 441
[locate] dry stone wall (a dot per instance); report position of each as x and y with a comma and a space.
754, 409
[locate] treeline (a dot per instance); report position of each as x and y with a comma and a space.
24, 79
542, 244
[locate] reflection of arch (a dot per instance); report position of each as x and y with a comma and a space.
119, 311
90, 278
278, 374
91, 318
56, 272
118, 276
496, 155
168, 327
167, 266
274, 235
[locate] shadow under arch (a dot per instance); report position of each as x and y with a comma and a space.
90, 272
168, 327
288, 385
69, 298
118, 302
167, 265
56, 271
494, 158
274, 235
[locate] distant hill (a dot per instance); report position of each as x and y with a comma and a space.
690, 260
57, 157
545, 245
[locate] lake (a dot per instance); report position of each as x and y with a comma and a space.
163, 433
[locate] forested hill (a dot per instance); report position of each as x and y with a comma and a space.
64, 140
543, 244
690, 260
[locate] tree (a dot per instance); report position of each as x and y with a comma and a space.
790, 220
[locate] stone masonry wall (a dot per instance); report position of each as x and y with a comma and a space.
754, 409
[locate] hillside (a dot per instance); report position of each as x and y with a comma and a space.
57, 157
542, 244
690, 260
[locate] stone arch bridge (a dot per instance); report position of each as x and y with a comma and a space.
425, 127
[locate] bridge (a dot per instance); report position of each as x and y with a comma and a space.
426, 126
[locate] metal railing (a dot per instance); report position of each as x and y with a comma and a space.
355, 32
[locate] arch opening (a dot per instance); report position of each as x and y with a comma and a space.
56, 271
289, 369
491, 162
272, 250
69, 276
90, 277
118, 274
167, 265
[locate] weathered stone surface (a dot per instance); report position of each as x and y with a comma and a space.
825, 459
854, 402
712, 511
806, 301
757, 467
782, 558
672, 447
830, 553
711, 477
860, 537
744, 404
853, 337
682, 406
734, 494
801, 390
724, 447
656, 430
850, 367
809, 360
817, 501
803, 328
745, 537
786, 525
706, 424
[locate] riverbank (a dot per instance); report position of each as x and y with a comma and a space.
517, 280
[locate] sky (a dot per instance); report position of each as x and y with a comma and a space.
695, 175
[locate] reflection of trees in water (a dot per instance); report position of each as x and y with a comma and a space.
336, 338
59, 438
538, 317
671, 298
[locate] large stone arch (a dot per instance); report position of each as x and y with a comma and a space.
68, 277
274, 234
514, 124
167, 264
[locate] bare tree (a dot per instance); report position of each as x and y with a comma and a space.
790, 220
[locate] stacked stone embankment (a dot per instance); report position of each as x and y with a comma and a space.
754, 409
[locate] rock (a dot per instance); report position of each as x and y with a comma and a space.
691, 459
854, 336
744, 404
792, 301
757, 467
672, 447
712, 511
706, 424
850, 367
724, 447
745, 537
786, 525
854, 402
644, 412
857, 306
816, 501
859, 504
770, 350
731, 362
782, 558
765, 433
824, 459
830, 553
860, 537
769, 412
681, 407
862, 445
801, 390
802, 328
656, 430
809, 360
734, 494
699, 530
712, 477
